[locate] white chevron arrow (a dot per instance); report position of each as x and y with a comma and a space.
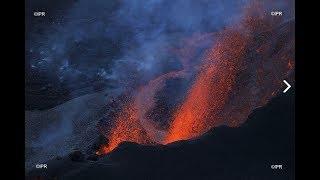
288, 86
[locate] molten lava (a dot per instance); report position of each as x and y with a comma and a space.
242, 70
132, 125
127, 128
205, 100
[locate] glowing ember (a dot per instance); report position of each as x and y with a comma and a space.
132, 125
205, 100
127, 128
238, 73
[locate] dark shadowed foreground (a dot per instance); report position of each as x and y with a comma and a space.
247, 152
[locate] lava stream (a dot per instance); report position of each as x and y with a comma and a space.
205, 100
229, 84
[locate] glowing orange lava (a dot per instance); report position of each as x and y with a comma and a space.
131, 124
239, 73
127, 128
205, 100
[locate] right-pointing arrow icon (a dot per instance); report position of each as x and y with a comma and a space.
288, 86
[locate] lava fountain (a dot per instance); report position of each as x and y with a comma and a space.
205, 100
131, 124
237, 73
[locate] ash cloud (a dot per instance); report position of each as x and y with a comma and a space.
123, 41
126, 42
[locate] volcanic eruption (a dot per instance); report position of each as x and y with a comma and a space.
241, 68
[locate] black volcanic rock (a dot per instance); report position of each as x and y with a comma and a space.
100, 140
92, 157
247, 152
77, 156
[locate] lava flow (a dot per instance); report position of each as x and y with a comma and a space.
239, 72
127, 128
205, 100
132, 125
